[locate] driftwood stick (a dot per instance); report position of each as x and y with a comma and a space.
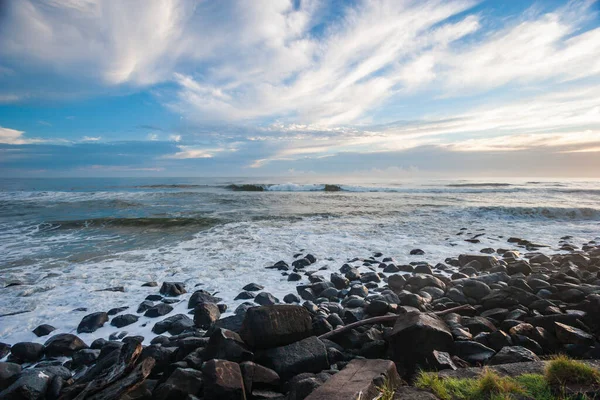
127, 384
385, 319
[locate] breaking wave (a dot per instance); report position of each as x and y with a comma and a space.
157, 223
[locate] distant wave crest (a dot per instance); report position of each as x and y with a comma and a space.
559, 213
158, 223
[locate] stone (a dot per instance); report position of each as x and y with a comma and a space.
202, 296
396, 282
513, 354
245, 295
91, 322
358, 290
123, 320
417, 252
205, 314
377, 308
340, 282
63, 344
306, 355
486, 262
257, 377
475, 289
473, 352
9, 373
85, 357
182, 383
253, 287
30, 384
570, 335
227, 345
4, 350
43, 330
359, 379
174, 324
370, 277
291, 298
415, 336
265, 299
172, 288
27, 351
150, 284
158, 310
276, 325
144, 306
423, 269
223, 380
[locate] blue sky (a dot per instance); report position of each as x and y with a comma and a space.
275, 87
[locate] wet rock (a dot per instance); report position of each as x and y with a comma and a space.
339, 281
391, 269
205, 314
172, 289
8, 374
358, 290
276, 325
91, 322
294, 277
154, 297
181, 384
377, 308
396, 282
123, 320
30, 384
150, 284
359, 379
473, 352
486, 262
513, 354
370, 277
245, 295
291, 298
257, 377
227, 345
265, 299
85, 357
570, 335
520, 267
4, 350
63, 344
423, 269
174, 324
145, 306
253, 287
43, 330
27, 351
415, 336
223, 380
158, 310
475, 289
417, 252
202, 296
115, 311
307, 355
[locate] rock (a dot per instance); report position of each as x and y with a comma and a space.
27, 351
377, 308
172, 288
475, 289
30, 385
358, 290
182, 383
473, 352
423, 269
359, 379
257, 377
476, 325
513, 354
415, 336
520, 267
486, 262
417, 252
9, 373
145, 306
339, 281
205, 314
227, 345
85, 357
4, 350
91, 322
154, 297
391, 269
370, 277
396, 282
158, 310
223, 380
174, 324
150, 284
276, 325
253, 287
307, 355
291, 298
115, 311
265, 299
123, 320
245, 295
63, 344
43, 330
569, 335
301, 263
420, 281
202, 296
413, 393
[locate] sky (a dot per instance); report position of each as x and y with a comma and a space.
399, 88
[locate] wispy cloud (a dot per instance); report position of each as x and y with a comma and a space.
91, 138
13, 136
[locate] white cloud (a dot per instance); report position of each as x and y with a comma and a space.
152, 137
91, 138
13, 136
175, 138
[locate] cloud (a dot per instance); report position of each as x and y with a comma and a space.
91, 138
175, 138
13, 136
152, 136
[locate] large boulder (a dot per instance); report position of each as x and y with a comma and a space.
485, 261
30, 385
8, 374
359, 379
307, 355
205, 314
414, 338
568, 335
174, 324
123, 320
202, 296
227, 345
473, 352
475, 289
172, 288
27, 351
277, 325
257, 377
91, 322
63, 344
513, 354
223, 380
180, 384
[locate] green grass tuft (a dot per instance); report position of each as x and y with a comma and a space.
386, 391
562, 371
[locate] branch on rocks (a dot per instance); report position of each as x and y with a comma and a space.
386, 319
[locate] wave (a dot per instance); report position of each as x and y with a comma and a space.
174, 186
479, 185
157, 223
558, 213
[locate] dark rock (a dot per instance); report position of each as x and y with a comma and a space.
181, 384
391, 268
291, 298
307, 355
172, 288
150, 284
205, 314
359, 290
276, 325
85, 357
257, 377
91, 322
174, 324
223, 380
473, 352
396, 282
417, 252
30, 384
115, 311
265, 299
294, 276
43, 330
339, 281
486, 262
63, 344
475, 289
301, 263
477, 325
145, 306
253, 287
123, 320
377, 308
202, 296
154, 297
513, 354
245, 295
4, 350
415, 336
370, 277
158, 310
27, 351
8, 374
520, 267
423, 269
568, 335
227, 345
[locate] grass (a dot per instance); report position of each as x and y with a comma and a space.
386, 391
559, 372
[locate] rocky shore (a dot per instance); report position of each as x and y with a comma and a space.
344, 334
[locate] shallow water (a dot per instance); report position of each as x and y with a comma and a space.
67, 238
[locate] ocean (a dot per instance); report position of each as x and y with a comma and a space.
64, 240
